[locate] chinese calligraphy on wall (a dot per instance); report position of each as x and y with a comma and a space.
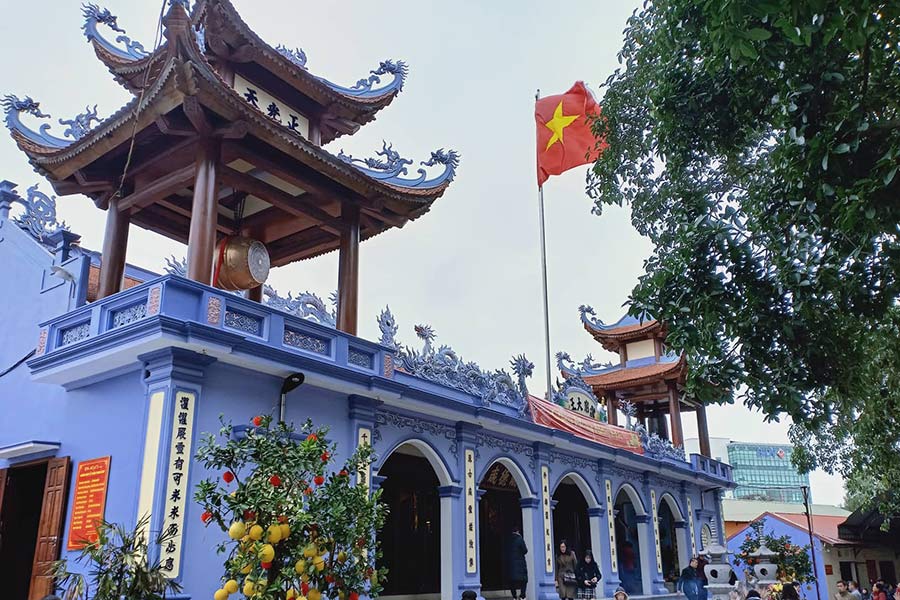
177, 490
545, 508
274, 108
471, 565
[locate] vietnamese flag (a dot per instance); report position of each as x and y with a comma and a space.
564, 136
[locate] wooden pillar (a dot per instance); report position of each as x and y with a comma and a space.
703, 431
204, 214
255, 294
348, 270
115, 244
611, 416
675, 414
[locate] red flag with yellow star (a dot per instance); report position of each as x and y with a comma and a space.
564, 136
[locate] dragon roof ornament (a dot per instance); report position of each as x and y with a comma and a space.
587, 366
295, 55
589, 318
391, 168
366, 88
444, 366
39, 217
94, 16
78, 126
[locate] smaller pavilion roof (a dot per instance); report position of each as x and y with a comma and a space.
626, 329
672, 367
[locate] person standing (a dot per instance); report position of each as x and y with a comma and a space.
588, 576
854, 591
566, 580
844, 594
878, 591
689, 582
516, 567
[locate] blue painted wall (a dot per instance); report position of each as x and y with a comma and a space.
799, 537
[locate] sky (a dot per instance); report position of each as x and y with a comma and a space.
471, 267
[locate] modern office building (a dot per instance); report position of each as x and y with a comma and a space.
761, 471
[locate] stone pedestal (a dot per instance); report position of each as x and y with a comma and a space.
718, 573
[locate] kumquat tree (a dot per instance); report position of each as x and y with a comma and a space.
792, 560
296, 528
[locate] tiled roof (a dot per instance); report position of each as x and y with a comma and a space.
627, 377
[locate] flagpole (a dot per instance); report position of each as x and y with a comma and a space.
537, 97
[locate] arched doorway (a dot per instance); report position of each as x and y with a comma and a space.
570, 516
669, 544
626, 510
412, 538
499, 514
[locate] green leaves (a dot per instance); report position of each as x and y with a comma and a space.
289, 516
757, 149
757, 34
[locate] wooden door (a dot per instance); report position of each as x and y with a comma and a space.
50, 530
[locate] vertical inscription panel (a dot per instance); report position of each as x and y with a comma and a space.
656, 530
177, 483
471, 557
690, 511
364, 477
611, 524
548, 522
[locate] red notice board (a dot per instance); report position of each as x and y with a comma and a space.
88, 502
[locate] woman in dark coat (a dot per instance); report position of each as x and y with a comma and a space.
566, 579
588, 576
516, 567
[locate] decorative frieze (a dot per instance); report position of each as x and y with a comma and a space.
243, 322
305, 341
214, 310
507, 446
153, 300
359, 359
133, 313
75, 334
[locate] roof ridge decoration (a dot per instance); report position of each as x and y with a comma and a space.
444, 366
653, 445
364, 88
575, 383
587, 366
305, 305
94, 16
594, 323
39, 218
296, 55
393, 167
79, 125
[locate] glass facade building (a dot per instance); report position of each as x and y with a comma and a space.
765, 472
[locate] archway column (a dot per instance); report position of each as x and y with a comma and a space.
647, 541
450, 496
541, 580
598, 530
464, 511
682, 537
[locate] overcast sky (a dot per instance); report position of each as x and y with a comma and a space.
470, 267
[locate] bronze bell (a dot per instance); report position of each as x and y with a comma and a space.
242, 263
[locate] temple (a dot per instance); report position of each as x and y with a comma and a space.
110, 373
647, 383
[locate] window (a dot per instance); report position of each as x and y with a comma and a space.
847, 571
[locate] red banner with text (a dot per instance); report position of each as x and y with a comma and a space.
88, 502
552, 415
